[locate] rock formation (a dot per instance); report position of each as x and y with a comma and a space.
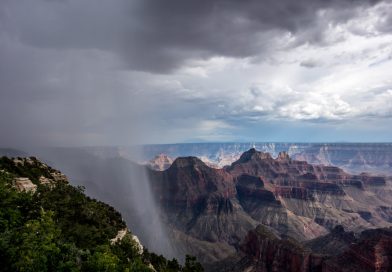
352, 157
362, 157
25, 184
211, 210
32, 172
262, 251
160, 162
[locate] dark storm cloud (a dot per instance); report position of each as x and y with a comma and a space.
386, 24
159, 36
80, 72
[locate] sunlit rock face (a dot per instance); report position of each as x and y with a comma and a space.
160, 162
25, 184
41, 173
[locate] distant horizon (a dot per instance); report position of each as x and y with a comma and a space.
192, 143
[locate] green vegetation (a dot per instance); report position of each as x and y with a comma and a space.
33, 170
59, 228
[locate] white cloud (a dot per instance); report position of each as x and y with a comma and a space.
334, 81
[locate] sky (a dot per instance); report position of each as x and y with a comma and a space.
123, 72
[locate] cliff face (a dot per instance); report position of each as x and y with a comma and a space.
299, 179
262, 251
209, 211
189, 183
352, 157
201, 204
31, 172
371, 252
266, 252
358, 158
212, 210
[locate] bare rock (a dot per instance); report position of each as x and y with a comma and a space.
122, 233
160, 162
25, 184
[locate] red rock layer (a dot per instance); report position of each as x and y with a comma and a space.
262, 251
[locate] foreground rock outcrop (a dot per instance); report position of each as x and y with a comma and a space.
30, 172
25, 184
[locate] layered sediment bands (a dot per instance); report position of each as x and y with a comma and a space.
270, 253
284, 171
189, 182
209, 211
201, 204
326, 194
263, 251
373, 180
253, 187
375, 158
332, 244
218, 207
372, 252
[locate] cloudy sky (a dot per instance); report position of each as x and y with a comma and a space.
118, 72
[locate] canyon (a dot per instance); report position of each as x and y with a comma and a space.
212, 210
352, 157
310, 212
339, 251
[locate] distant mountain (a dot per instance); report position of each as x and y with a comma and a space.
353, 157
160, 162
373, 158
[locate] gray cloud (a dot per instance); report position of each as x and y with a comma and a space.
86, 72
310, 63
159, 36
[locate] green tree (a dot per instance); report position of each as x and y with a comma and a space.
126, 248
38, 250
102, 260
60, 229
